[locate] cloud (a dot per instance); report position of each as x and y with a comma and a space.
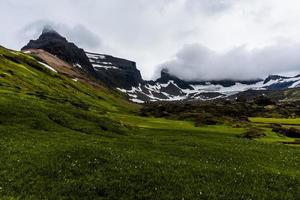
209, 6
150, 32
197, 62
78, 34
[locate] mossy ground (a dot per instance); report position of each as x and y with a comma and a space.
61, 139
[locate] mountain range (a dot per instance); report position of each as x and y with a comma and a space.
123, 75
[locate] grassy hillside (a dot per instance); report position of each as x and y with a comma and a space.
62, 139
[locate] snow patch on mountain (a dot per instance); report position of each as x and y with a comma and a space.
99, 62
295, 84
78, 65
170, 91
97, 66
48, 67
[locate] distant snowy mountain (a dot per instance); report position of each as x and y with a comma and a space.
175, 89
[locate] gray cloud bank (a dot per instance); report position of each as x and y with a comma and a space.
196, 62
151, 32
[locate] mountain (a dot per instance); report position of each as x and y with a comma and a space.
170, 88
54, 43
113, 72
123, 75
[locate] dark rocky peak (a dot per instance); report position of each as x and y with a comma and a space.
166, 77
48, 29
54, 43
50, 34
165, 73
171, 89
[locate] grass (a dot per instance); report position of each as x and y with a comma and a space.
145, 163
61, 139
275, 137
276, 121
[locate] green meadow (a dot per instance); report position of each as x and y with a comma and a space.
276, 121
61, 139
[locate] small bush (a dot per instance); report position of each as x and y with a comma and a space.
289, 132
205, 119
253, 133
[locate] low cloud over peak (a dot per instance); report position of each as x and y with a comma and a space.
79, 34
197, 62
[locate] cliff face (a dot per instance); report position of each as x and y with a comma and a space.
116, 72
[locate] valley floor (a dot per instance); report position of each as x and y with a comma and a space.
156, 159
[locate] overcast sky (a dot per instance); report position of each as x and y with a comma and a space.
194, 39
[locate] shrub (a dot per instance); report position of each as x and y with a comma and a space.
205, 119
253, 133
289, 132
